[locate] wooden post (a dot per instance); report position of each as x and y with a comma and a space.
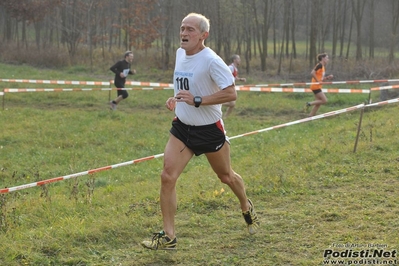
358, 128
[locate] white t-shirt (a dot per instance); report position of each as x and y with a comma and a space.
203, 73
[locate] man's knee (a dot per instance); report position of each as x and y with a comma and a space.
226, 179
167, 178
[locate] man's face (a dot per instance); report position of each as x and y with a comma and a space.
237, 61
129, 58
190, 35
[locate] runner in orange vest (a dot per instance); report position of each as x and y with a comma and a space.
318, 75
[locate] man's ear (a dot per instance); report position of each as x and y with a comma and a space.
205, 35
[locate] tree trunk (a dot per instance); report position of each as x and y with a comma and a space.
350, 37
371, 32
168, 35
358, 9
293, 30
280, 59
394, 27
314, 18
262, 31
287, 16
343, 27
335, 26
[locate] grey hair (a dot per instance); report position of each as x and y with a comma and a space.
234, 57
204, 24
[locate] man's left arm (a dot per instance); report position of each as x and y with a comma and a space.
227, 94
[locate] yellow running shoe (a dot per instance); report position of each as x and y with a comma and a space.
251, 218
160, 241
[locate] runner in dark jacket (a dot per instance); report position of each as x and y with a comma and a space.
121, 70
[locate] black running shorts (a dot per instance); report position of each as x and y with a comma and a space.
317, 91
122, 93
199, 139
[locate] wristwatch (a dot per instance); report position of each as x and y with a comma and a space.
197, 101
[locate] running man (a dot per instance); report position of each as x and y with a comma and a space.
202, 82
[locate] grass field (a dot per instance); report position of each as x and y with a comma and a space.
312, 192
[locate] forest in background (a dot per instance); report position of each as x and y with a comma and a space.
273, 36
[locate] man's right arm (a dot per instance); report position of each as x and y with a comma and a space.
115, 68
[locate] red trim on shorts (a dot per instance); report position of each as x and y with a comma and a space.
220, 125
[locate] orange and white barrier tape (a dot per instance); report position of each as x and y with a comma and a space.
14, 90
307, 119
150, 84
146, 89
332, 113
271, 89
383, 102
56, 179
385, 88
11, 90
156, 84
63, 82
329, 83
99, 83
239, 88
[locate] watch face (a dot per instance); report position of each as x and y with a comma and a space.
197, 101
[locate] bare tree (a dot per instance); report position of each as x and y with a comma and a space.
394, 29
371, 31
342, 9
73, 25
293, 29
350, 37
335, 27
31, 12
286, 27
314, 14
168, 7
247, 32
249, 27
262, 25
358, 11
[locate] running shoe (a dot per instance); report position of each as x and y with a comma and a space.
306, 108
160, 241
251, 218
112, 105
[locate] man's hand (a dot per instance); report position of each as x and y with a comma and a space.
171, 103
185, 96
